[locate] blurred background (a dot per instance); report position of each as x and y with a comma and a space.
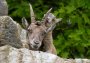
72, 35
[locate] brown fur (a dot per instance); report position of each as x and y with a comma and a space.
48, 44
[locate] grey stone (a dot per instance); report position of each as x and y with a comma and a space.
9, 32
9, 54
3, 8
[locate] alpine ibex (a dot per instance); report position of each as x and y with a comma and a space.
39, 33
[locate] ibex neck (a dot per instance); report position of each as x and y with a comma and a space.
49, 37
48, 40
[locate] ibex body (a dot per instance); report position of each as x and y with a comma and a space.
39, 33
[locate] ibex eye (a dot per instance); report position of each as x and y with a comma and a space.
29, 30
43, 33
38, 23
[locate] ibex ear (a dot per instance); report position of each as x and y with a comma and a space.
25, 23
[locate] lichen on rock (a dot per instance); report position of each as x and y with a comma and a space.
9, 34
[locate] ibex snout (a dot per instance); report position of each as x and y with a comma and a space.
36, 42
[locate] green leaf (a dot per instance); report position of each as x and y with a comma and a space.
86, 19
70, 9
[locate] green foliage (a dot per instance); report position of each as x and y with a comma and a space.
72, 35
75, 38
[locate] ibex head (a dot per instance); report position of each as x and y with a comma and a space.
37, 30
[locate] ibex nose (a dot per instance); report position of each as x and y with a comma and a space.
36, 42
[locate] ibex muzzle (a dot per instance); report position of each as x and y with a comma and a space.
37, 30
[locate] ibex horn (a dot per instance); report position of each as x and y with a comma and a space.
44, 18
32, 14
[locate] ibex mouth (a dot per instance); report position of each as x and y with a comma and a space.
34, 47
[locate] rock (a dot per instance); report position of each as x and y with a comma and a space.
9, 54
9, 32
79, 60
22, 35
69, 61
3, 8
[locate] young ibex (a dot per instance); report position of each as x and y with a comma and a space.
39, 33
